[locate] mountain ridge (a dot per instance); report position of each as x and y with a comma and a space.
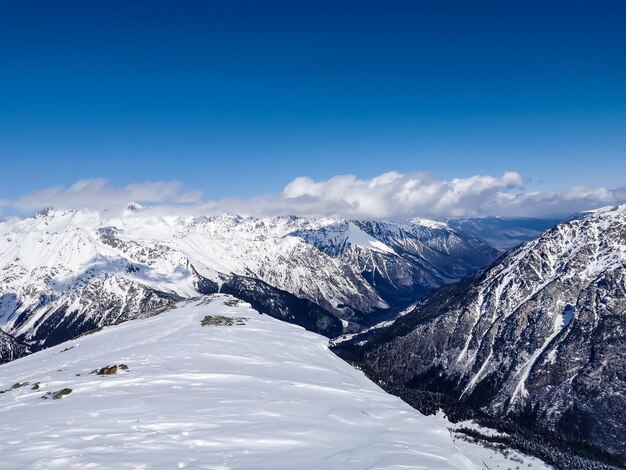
537, 335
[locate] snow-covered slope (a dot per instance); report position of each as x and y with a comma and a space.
65, 272
259, 393
539, 335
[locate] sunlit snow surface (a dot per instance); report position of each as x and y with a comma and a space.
358, 237
266, 394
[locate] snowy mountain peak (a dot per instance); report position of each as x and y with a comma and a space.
51, 213
429, 223
357, 237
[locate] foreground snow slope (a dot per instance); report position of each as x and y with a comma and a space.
266, 394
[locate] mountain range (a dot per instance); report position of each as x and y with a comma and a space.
65, 272
533, 336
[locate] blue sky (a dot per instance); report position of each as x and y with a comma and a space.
238, 98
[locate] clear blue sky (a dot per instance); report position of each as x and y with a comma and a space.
238, 98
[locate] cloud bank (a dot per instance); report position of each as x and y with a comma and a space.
99, 194
390, 195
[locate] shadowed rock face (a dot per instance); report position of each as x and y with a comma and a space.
539, 336
10, 348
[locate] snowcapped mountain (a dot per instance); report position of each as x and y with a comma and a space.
66, 272
538, 336
402, 261
211, 383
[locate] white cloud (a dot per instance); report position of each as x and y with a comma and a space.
391, 195
548, 203
99, 194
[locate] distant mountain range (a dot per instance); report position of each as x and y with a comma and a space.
64, 272
503, 233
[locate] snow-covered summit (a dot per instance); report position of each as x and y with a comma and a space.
429, 223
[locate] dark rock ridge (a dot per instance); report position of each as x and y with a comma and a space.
539, 336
